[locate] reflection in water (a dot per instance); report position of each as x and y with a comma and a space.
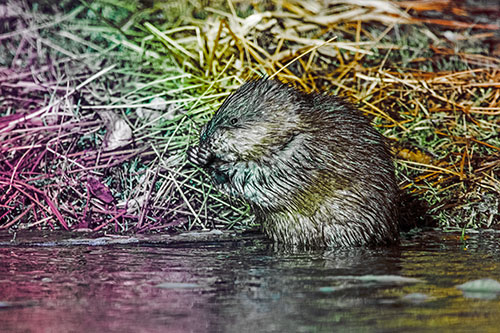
247, 286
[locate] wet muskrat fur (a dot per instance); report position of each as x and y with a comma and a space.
312, 168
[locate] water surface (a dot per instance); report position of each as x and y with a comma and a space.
245, 285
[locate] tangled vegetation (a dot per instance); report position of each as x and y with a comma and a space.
99, 101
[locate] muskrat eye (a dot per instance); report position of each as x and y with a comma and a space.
233, 121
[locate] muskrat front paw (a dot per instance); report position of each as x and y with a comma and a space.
192, 155
199, 156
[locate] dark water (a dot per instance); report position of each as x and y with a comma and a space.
247, 286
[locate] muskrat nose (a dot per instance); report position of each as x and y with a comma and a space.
203, 136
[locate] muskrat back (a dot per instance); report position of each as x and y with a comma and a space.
312, 168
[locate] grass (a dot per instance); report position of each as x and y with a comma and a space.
100, 100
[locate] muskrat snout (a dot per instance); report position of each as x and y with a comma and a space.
200, 156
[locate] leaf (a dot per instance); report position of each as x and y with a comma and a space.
118, 132
99, 190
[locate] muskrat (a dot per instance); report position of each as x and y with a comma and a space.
310, 165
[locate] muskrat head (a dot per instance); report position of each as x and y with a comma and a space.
251, 125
